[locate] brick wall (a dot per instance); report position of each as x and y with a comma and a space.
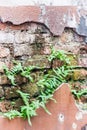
30, 43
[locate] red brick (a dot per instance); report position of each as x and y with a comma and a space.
82, 61
1, 66
3, 80
4, 52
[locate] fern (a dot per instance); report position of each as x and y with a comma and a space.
79, 93
48, 84
9, 75
18, 69
24, 96
28, 110
12, 114
60, 54
26, 72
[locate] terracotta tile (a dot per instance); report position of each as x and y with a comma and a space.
64, 115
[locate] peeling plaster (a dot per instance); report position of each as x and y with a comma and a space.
71, 22
55, 18
82, 26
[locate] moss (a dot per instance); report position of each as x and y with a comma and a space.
73, 59
79, 74
30, 88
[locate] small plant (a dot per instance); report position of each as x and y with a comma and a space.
60, 54
29, 108
79, 93
51, 81
27, 71
18, 69
48, 85
44, 99
12, 114
26, 111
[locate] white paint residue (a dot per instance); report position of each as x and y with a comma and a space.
79, 115
71, 21
74, 126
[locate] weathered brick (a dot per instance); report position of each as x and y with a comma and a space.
82, 60
3, 80
20, 79
38, 60
1, 66
57, 63
32, 28
11, 92
79, 74
78, 38
5, 106
31, 38
72, 47
21, 37
4, 52
6, 37
24, 36
22, 49
18, 102
46, 50
32, 89
66, 37
5, 62
1, 92
47, 37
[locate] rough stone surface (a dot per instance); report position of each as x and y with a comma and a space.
6, 37
46, 50
3, 80
11, 92
39, 61
24, 49
1, 66
20, 79
22, 37
19, 102
79, 74
4, 52
83, 60
1, 92
32, 89
5, 106
57, 63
